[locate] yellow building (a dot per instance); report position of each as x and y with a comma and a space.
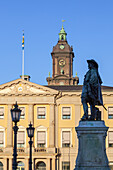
54, 110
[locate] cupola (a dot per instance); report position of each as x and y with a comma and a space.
62, 34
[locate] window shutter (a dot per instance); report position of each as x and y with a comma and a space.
22, 111
21, 137
66, 110
1, 111
1, 137
110, 110
41, 110
41, 137
66, 137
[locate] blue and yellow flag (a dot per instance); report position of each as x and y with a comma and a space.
23, 41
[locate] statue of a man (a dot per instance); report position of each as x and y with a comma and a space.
91, 92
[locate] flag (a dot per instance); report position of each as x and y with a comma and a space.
23, 41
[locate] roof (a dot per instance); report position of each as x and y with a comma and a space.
77, 88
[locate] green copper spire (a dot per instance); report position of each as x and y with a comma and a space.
62, 34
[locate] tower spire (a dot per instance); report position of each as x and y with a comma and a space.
62, 34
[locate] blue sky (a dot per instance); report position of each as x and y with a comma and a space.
89, 27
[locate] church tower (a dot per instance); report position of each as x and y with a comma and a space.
62, 63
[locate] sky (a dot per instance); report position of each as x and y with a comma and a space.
89, 27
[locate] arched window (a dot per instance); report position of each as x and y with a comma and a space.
40, 166
20, 166
1, 166
62, 37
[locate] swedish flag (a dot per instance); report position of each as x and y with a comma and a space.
23, 41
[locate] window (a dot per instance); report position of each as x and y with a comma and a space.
1, 166
41, 112
111, 167
62, 37
110, 139
40, 166
66, 139
1, 112
1, 138
65, 165
21, 139
41, 139
22, 116
20, 166
66, 112
110, 112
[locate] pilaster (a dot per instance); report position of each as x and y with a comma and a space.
52, 126
48, 163
56, 126
31, 113
9, 128
5, 163
53, 164
26, 164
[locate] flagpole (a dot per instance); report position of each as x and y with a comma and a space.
23, 56
23, 64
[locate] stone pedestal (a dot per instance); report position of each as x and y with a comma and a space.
91, 151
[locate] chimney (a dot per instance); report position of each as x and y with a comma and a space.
26, 77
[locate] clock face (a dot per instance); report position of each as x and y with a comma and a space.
61, 47
61, 62
20, 88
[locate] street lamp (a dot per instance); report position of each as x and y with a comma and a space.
30, 132
15, 114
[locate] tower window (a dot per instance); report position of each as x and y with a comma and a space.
62, 37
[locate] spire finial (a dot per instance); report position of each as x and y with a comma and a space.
62, 34
49, 74
62, 22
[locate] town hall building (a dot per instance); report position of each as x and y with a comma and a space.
54, 110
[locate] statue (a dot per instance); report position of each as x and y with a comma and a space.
91, 92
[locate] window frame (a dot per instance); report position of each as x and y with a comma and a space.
43, 144
63, 163
2, 129
21, 112
45, 112
66, 130
40, 129
70, 112
22, 129
110, 114
108, 139
1, 118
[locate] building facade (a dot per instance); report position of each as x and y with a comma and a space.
54, 110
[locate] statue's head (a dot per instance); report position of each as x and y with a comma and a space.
92, 63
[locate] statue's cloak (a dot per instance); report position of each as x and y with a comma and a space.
91, 91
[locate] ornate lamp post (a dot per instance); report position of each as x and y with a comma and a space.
15, 114
30, 132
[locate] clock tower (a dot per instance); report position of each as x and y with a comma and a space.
62, 61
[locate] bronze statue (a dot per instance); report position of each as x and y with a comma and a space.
91, 92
